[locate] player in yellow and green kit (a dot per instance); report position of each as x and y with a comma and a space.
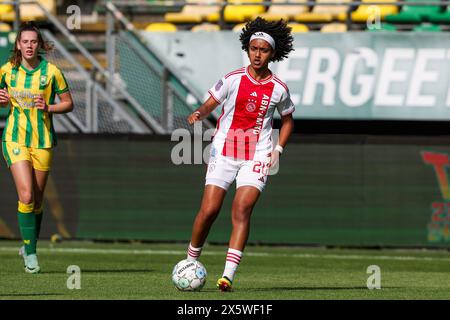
29, 84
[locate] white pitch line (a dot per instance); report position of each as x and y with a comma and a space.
217, 253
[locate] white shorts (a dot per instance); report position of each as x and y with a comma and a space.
222, 171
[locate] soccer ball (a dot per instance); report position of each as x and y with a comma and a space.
189, 275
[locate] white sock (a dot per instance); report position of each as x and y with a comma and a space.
193, 253
232, 262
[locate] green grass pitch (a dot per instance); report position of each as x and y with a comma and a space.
143, 271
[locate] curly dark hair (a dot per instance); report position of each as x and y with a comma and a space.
278, 30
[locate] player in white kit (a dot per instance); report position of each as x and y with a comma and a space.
242, 148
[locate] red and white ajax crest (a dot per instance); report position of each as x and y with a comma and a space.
250, 107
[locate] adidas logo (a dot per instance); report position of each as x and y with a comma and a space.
254, 94
261, 179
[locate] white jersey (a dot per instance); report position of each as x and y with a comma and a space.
245, 125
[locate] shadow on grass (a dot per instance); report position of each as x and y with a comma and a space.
30, 294
243, 290
101, 271
311, 288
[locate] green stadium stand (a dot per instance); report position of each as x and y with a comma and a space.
442, 17
427, 27
384, 27
414, 14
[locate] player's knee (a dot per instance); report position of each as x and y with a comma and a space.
209, 213
241, 214
26, 196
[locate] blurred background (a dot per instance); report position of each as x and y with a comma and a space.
367, 165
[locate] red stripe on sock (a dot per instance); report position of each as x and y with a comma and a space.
195, 255
236, 256
233, 260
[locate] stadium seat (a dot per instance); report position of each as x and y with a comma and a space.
365, 11
286, 12
4, 8
235, 12
334, 27
383, 27
323, 13
441, 17
30, 12
414, 14
194, 13
205, 27
298, 27
427, 27
4, 27
161, 27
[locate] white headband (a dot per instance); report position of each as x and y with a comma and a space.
263, 36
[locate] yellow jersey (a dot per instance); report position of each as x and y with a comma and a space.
25, 124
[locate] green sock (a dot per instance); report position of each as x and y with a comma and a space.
38, 215
27, 225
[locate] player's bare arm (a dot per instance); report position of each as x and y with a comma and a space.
287, 127
64, 106
203, 111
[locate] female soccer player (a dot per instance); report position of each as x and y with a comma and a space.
242, 147
29, 84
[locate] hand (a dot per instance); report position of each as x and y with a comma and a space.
39, 103
193, 117
274, 165
4, 97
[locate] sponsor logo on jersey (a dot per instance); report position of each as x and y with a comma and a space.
218, 85
262, 111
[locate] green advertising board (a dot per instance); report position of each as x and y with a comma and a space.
385, 191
